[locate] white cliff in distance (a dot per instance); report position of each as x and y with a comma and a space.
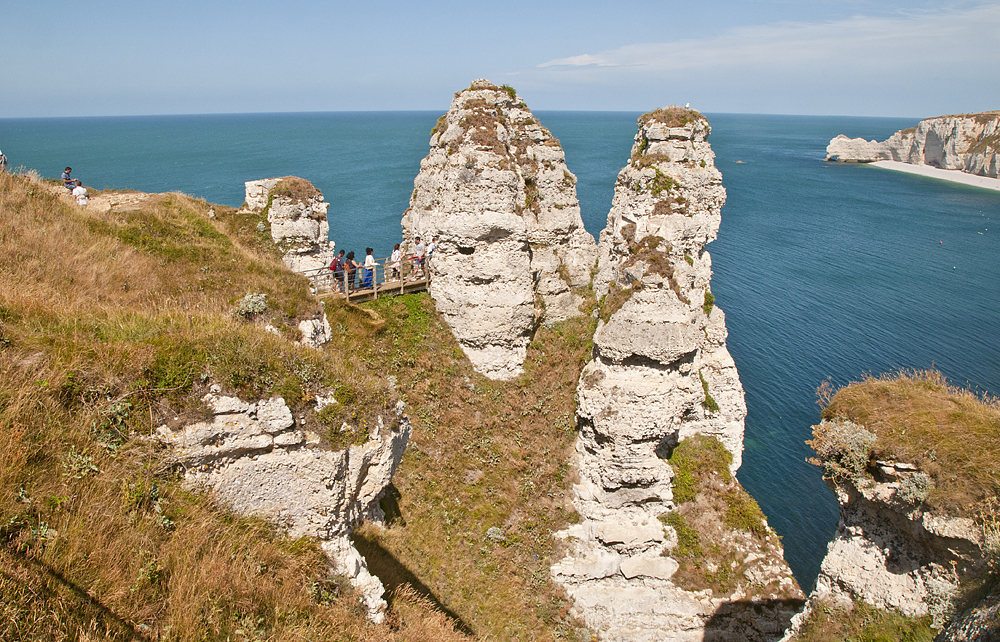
965, 142
512, 247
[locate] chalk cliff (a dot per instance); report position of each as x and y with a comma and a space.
661, 375
891, 550
966, 142
496, 190
259, 461
296, 216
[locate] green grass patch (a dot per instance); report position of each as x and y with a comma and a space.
862, 623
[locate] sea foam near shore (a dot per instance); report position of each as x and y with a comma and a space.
953, 175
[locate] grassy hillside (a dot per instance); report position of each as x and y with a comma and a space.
115, 321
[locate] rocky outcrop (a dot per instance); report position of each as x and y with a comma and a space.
660, 375
296, 216
496, 191
890, 550
259, 461
965, 142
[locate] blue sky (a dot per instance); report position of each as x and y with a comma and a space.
851, 57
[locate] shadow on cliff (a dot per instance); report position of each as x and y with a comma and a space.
755, 621
393, 574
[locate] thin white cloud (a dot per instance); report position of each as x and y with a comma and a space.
904, 41
584, 60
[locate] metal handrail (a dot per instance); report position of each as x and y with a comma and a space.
383, 278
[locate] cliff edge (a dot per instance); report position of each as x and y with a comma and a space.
911, 461
965, 142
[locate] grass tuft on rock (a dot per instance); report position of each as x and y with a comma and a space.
917, 417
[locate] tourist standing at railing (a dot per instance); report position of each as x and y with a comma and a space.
418, 259
337, 267
394, 260
352, 270
430, 250
369, 275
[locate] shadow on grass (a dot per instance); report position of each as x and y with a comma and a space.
393, 574
52, 591
754, 621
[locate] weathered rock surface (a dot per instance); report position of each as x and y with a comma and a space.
660, 373
258, 461
980, 623
496, 190
296, 214
893, 554
966, 142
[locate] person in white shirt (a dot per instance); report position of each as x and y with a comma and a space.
80, 193
397, 254
370, 264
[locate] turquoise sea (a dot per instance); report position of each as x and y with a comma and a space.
824, 270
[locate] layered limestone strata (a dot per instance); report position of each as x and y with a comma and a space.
660, 374
512, 247
259, 461
966, 142
296, 215
889, 549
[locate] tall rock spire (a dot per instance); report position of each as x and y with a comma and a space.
512, 247
661, 374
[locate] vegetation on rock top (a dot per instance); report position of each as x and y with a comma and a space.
862, 622
672, 116
917, 417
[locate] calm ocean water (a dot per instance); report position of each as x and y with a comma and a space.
824, 270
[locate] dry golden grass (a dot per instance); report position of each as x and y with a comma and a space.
483, 454
951, 433
295, 188
112, 323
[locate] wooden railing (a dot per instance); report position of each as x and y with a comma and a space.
384, 279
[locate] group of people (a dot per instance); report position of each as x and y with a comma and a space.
346, 269
75, 186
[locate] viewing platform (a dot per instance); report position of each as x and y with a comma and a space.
403, 279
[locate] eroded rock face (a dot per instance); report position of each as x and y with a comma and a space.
296, 214
496, 191
660, 373
892, 554
966, 142
258, 461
